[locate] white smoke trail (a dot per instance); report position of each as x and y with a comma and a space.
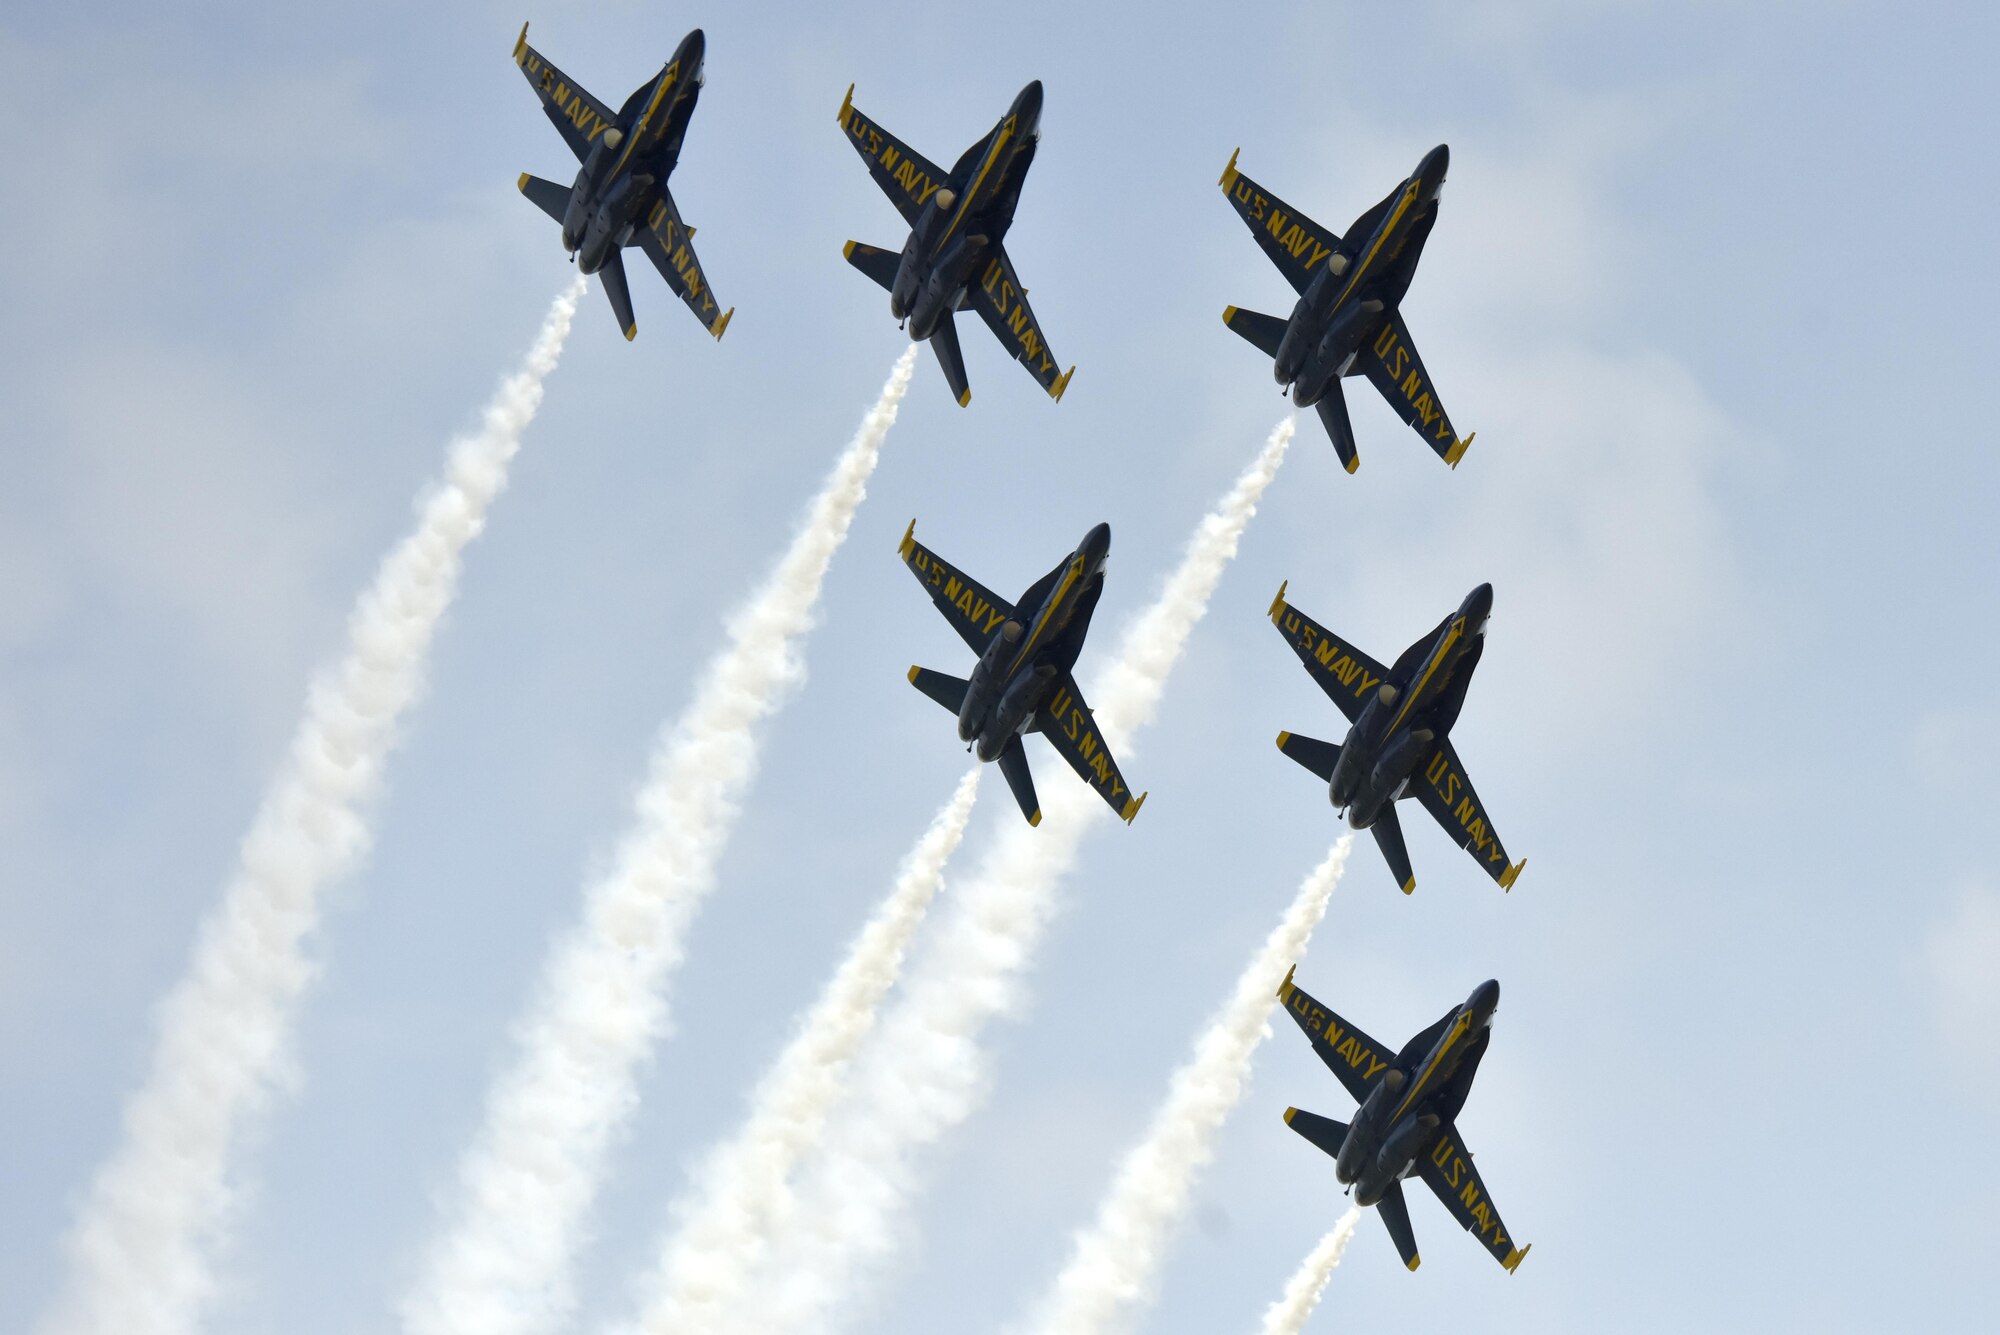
1117, 1261
1288, 1315
923, 1074
141, 1255
745, 1186
502, 1265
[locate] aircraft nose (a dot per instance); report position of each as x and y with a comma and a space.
693, 46
1096, 544
1485, 999
1028, 106
1478, 605
1435, 164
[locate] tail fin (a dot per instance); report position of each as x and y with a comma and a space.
1263, 332
1333, 416
945, 341
877, 263
1319, 757
947, 690
547, 196
1395, 1214
615, 287
1389, 838
1014, 765
1321, 1131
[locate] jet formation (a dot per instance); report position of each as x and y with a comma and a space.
954, 259
1346, 320
1398, 740
620, 197
1021, 683
1406, 1120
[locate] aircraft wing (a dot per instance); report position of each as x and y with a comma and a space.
1390, 360
1295, 243
1345, 673
974, 611
1447, 794
1066, 721
1357, 1059
578, 117
905, 175
1002, 301
668, 243
1447, 1167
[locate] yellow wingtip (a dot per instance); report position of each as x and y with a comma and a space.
1458, 448
914, 670
846, 105
1228, 180
1283, 737
1035, 818
1228, 314
1515, 1257
1508, 877
965, 399
521, 44
1278, 603
909, 541
721, 326
1285, 994
522, 184
1290, 1113
847, 251
1061, 384
631, 331
1416, 1261
1409, 886
1353, 464
1132, 808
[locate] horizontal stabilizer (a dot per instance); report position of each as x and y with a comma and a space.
547, 196
1014, 768
1389, 838
1317, 756
620, 293
1395, 1212
1263, 332
944, 341
942, 687
1332, 409
1321, 1131
877, 263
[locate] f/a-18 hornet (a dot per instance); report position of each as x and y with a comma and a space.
954, 259
1405, 1122
1022, 682
1397, 744
1346, 320
620, 197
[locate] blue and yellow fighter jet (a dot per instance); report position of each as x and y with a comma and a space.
1405, 1122
620, 197
1022, 682
1346, 321
1397, 744
953, 258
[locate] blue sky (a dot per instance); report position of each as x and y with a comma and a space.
1712, 283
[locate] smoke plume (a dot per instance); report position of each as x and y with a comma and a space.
502, 1265
1116, 1262
745, 1186
924, 1073
141, 1256
1288, 1315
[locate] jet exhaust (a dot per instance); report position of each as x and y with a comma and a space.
923, 1072
142, 1252
744, 1187
1115, 1263
501, 1265
1288, 1315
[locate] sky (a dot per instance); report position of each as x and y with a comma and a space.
1713, 284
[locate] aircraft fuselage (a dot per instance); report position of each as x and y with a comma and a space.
1401, 722
620, 179
966, 219
1400, 1117
1020, 664
1339, 307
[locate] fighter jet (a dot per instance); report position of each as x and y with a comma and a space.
1022, 683
620, 197
1346, 320
954, 259
1397, 745
1408, 1103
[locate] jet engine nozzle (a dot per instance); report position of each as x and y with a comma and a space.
945, 199
613, 137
